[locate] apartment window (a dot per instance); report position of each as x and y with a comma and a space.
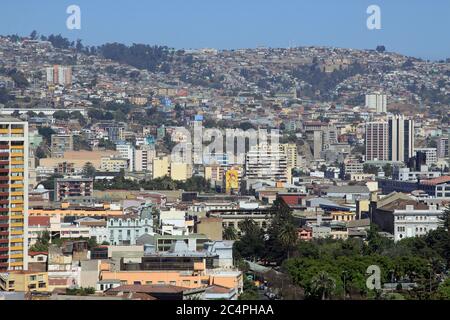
186, 283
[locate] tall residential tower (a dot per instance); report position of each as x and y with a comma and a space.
13, 194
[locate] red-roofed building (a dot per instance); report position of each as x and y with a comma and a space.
36, 226
35, 221
436, 181
292, 199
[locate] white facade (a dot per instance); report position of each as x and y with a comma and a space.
127, 151
430, 153
412, 223
405, 174
377, 102
266, 162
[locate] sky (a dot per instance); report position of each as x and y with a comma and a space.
416, 28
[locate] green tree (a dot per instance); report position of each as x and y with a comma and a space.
443, 291
287, 236
251, 244
323, 286
445, 219
229, 233
387, 170
89, 170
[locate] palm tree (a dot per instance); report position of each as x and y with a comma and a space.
287, 236
229, 233
247, 226
323, 285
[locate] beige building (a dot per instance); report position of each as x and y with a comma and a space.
291, 152
161, 167
143, 158
180, 171
78, 158
211, 227
114, 164
61, 143
23, 281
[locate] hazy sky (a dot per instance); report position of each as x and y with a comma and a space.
413, 27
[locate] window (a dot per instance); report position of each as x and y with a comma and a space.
186, 283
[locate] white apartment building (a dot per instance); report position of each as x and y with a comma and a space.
430, 153
127, 151
267, 162
144, 158
59, 75
377, 102
412, 223
405, 174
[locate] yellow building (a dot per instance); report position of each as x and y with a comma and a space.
161, 167
180, 171
214, 173
23, 281
227, 279
113, 164
65, 211
343, 216
13, 194
232, 180
291, 152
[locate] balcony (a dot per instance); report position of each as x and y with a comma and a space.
4, 225
2, 241
4, 201
4, 233
17, 224
3, 256
4, 186
16, 264
4, 170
